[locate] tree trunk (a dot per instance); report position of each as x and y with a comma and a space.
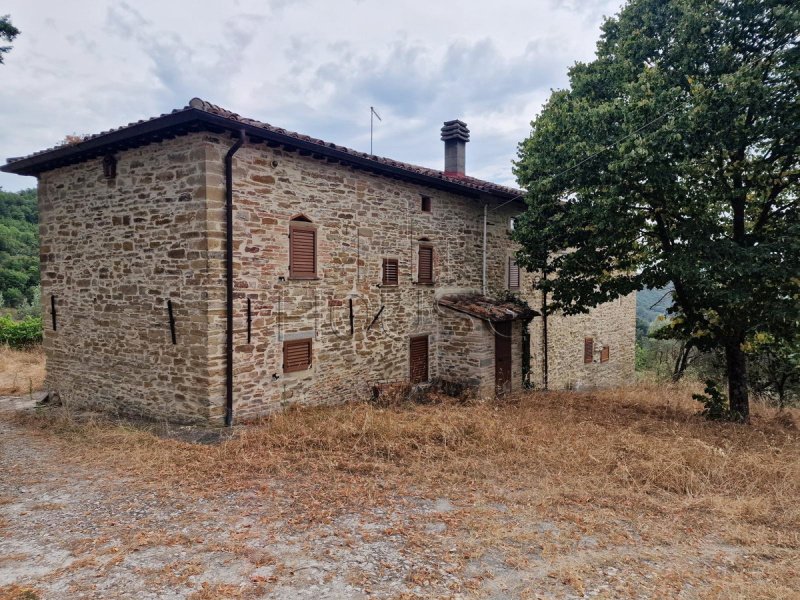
736, 365
682, 361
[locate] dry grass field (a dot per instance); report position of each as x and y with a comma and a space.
21, 371
613, 494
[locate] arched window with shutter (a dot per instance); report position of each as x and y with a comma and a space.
302, 248
425, 262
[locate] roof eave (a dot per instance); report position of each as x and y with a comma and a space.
525, 314
364, 162
139, 134
180, 122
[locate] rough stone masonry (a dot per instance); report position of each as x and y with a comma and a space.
119, 248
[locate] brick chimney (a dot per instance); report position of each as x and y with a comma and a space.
455, 136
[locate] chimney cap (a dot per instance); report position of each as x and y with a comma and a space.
455, 130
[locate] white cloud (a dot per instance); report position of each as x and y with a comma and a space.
313, 66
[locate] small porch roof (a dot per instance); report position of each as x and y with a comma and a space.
486, 308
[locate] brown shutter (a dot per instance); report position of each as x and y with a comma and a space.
390, 271
588, 350
513, 275
418, 352
296, 355
605, 354
302, 253
425, 264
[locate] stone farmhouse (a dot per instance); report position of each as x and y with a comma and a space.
204, 267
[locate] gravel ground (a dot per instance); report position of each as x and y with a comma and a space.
74, 530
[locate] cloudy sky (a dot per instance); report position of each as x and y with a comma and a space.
313, 66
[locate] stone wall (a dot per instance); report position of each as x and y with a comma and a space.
112, 253
612, 324
360, 219
466, 352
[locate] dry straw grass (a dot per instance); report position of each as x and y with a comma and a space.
641, 448
16, 592
21, 371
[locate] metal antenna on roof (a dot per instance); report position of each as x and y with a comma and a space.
371, 114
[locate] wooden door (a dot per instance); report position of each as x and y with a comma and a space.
502, 357
418, 358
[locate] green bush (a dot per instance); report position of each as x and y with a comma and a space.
20, 334
715, 404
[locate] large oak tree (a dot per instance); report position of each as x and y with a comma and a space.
672, 159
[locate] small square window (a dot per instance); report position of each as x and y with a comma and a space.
296, 355
425, 203
390, 271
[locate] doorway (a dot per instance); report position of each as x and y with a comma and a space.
502, 357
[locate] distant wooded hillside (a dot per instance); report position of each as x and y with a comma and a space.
19, 248
652, 303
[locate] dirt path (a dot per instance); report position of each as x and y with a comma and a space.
75, 530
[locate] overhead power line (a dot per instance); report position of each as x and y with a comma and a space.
613, 144
594, 154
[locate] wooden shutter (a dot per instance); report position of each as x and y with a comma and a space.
296, 355
513, 275
605, 354
302, 253
419, 359
390, 271
588, 350
425, 203
425, 264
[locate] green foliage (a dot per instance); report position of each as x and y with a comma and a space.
20, 334
715, 404
673, 159
19, 248
775, 368
640, 358
32, 308
7, 32
662, 357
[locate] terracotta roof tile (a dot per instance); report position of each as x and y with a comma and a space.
464, 180
93, 136
486, 308
196, 104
